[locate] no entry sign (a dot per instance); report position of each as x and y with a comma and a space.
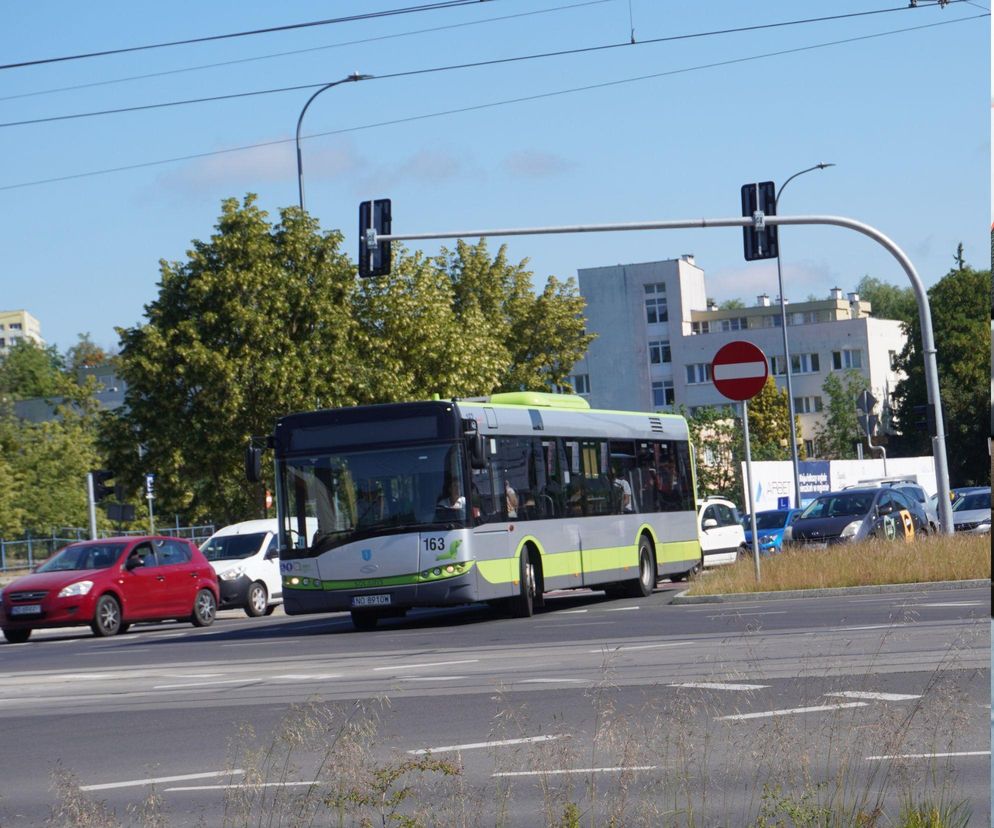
739, 370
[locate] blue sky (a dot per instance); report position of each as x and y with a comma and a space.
903, 115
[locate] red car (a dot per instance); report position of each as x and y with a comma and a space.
109, 584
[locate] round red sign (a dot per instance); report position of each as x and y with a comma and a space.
739, 370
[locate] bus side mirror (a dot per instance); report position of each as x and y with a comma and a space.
475, 444
253, 464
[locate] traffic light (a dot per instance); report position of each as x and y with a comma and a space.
374, 260
101, 488
759, 243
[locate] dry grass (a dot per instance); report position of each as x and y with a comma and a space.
934, 558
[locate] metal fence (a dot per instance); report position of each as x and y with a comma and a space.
25, 552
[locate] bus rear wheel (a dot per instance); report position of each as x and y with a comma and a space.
523, 604
642, 586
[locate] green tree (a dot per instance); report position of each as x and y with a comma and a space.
769, 424
962, 342
888, 301
84, 354
716, 434
731, 304
31, 370
839, 430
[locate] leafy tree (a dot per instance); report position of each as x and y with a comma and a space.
731, 304
962, 341
839, 429
888, 301
716, 435
31, 370
769, 424
84, 354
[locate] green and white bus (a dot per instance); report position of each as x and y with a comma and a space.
426, 504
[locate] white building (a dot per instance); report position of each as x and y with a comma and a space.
657, 336
16, 325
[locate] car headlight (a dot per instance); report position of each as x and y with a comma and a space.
78, 588
232, 574
851, 529
767, 538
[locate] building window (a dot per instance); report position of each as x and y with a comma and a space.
700, 327
655, 303
892, 360
847, 359
809, 448
698, 372
807, 405
739, 323
778, 365
771, 321
804, 363
659, 351
662, 393
581, 383
808, 317
15, 326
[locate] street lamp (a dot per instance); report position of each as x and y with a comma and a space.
786, 350
355, 76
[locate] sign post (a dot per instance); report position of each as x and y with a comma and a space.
739, 371
150, 496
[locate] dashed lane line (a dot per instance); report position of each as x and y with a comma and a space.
929, 755
135, 783
427, 664
860, 694
203, 684
627, 648
715, 685
526, 740
821, 708
576, 770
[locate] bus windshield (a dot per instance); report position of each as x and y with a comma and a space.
359, 494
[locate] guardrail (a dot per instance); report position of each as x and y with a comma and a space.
25, 552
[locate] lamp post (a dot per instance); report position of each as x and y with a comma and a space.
355, 76
786, 349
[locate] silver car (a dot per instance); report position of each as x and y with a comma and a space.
972, 512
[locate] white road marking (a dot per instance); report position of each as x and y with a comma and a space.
429, 664
476, 745
931, 755
577, 770
736, 614
201, 684
626, 648
859, 694
301, 677
240, 785
570, 612
430, 678
621, 609
134, 783
117, 651
952, 604
822, 708
553, 681
714, 685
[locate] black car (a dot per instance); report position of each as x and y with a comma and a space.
857, 514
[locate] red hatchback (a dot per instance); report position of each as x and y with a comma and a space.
109, 584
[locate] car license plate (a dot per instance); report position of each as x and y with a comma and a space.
26, 609
370, 600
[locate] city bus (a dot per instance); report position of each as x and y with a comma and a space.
501, 499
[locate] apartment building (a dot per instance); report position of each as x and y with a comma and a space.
16, 325
657, 335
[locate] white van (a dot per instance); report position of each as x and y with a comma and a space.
246, 559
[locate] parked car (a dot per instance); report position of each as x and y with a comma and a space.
956, 494
110, 584
769, 527
246, 558
856, 514
720, 532
972, 512
913, 491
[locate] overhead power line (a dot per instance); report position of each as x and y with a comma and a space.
451, 67
490, 105
273, 55
448, 4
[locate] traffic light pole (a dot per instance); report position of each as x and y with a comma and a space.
757, 221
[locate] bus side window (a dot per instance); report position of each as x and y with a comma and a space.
553, 492
649, 499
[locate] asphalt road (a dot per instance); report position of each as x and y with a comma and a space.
638, 707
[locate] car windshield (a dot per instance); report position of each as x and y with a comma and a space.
970, 502
81, 556
232, 547
839, 505
766, 520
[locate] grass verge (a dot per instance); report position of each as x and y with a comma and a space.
873, 562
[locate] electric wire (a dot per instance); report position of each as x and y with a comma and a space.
273, 55
490, 105
447, 4
451, 67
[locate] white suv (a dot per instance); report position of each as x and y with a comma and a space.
720, 530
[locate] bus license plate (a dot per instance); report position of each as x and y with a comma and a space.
370, 600
26, 609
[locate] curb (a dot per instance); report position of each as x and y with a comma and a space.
683, 598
